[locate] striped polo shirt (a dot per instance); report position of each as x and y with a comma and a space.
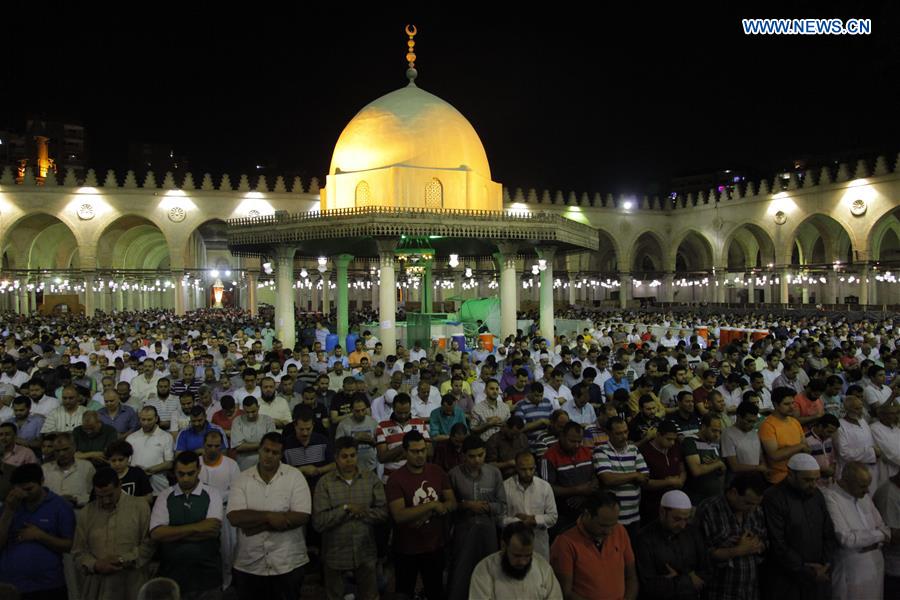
607, 459
533, 412
391, 433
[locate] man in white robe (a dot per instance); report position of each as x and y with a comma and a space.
853, 441
858, 570
886, 433
219, 472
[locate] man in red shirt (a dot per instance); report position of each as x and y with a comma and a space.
809, 406
419, 496
594, 559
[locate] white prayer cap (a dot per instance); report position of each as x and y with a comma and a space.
676, 499
389, 395
803, 462
544, 355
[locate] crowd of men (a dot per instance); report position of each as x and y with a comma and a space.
605, 464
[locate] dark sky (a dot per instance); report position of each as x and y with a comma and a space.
586, 98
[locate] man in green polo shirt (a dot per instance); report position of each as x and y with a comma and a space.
186, 522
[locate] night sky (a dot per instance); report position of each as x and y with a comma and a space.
586, 100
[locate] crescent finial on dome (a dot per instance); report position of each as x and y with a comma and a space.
411, 72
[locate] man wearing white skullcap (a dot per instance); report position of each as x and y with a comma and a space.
801, 534
673, 562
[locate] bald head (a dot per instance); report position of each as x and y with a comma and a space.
855, 479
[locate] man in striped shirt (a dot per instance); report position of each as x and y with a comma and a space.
389, 435
567, 468
621, 468
305, 449
535, 410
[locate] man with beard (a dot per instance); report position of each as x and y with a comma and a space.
515, 571
594, 559
361, 427
801, 534
270, 403
167, 406
530, 500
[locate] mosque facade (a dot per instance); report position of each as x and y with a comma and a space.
111, 242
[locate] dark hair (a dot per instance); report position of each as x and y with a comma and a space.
614, 421
118, 448
188, 457
473, 442
10, 425
27, 473
22, 400
599, 500
519, 530
667, 427
572, 426
344, 442
303, 413
459, 428
748, 481
747, 408
104, 477
645, 399
516, 422
274, 437
196, 411
855, 390
556, 414
226, 402
828, 419
816, 385
410, 436
708, 418
780, 393
402, 398
213, 432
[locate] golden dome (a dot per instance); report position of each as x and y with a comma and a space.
411, 128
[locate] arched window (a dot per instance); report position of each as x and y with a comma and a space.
362, 194
434, 194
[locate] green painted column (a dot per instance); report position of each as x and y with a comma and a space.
342, 261
428, 288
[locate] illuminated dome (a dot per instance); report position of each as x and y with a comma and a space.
411, 128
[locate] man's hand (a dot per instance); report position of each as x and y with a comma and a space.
31, 533
207, 526
357, 511
641, 478
671, 572
819, 571
277, 521
106, 566
696, 581
309, 470
673, 481
14, 499
440, 508
749, 544
527, 519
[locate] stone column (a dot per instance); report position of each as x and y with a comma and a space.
668, 287
864, 286
326, 293
624, 290
285, 317
548, 318
17, 301
751, 288
428, 288
342, 261
783, 289
178, 280
251, 293
90, 303
509, 284
573, 292
387, 296
120, 296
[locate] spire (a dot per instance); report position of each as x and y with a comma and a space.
411, 72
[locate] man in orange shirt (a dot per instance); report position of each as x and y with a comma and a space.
781, 435
594, 559
357, 355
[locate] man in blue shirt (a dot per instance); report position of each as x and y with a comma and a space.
445, 417
36, 528
192, 438
617, 381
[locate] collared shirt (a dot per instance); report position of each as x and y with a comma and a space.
97, 442
61, 420
75, 480
150, 450
244, 430
367, 457
31, 428
441, 424
167, 410
278, 409
608, 459
160, 514
422, 409
564, 470
346, 542
531, 412
853, 442
33, 566
583, 416
738, 578
597, 572
190, 439
125, 421
537, 499
684, 552
743, 445
887, 500
271, 552
391, 433
141, 389
20, 455
484, 411
316, 452
45, 406
501, 449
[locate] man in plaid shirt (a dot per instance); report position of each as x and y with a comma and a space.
734, 529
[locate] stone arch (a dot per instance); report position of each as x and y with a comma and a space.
836, 243
207, 246
748, 245
647, 253
40, 241
884, 235
362, 194
692, 251
132, 242
434, 194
